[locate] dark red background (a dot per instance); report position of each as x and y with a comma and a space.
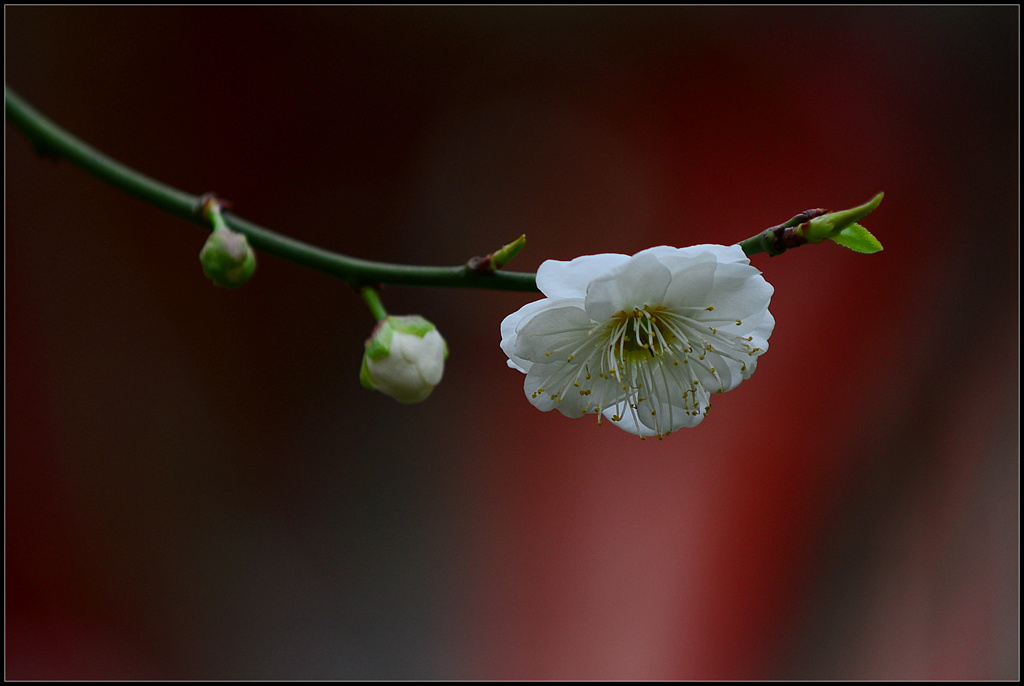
198, 487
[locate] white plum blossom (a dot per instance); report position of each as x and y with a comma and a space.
642, 341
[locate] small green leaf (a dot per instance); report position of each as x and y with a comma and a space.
857, 238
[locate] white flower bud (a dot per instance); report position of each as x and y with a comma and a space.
404, 358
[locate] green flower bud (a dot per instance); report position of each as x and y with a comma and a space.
404, 358
227, 258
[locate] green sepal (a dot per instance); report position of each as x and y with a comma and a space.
412, 324
364, 376
378, 345
857, 238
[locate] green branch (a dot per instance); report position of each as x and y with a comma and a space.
51, 140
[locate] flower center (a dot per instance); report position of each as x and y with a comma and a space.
640, 334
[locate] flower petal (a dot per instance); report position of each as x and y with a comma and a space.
508, 331
718, 374
628, 423
640, 281
564, 388
692, 278
558, 279
759, 342
424, 353
723, 254
739, 291
556, 330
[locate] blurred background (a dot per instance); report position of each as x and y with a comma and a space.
197, 487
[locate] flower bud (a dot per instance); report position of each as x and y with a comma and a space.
227, 258
404, 358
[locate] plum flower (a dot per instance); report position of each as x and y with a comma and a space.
642, 341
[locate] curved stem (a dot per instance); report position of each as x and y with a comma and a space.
50, 139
